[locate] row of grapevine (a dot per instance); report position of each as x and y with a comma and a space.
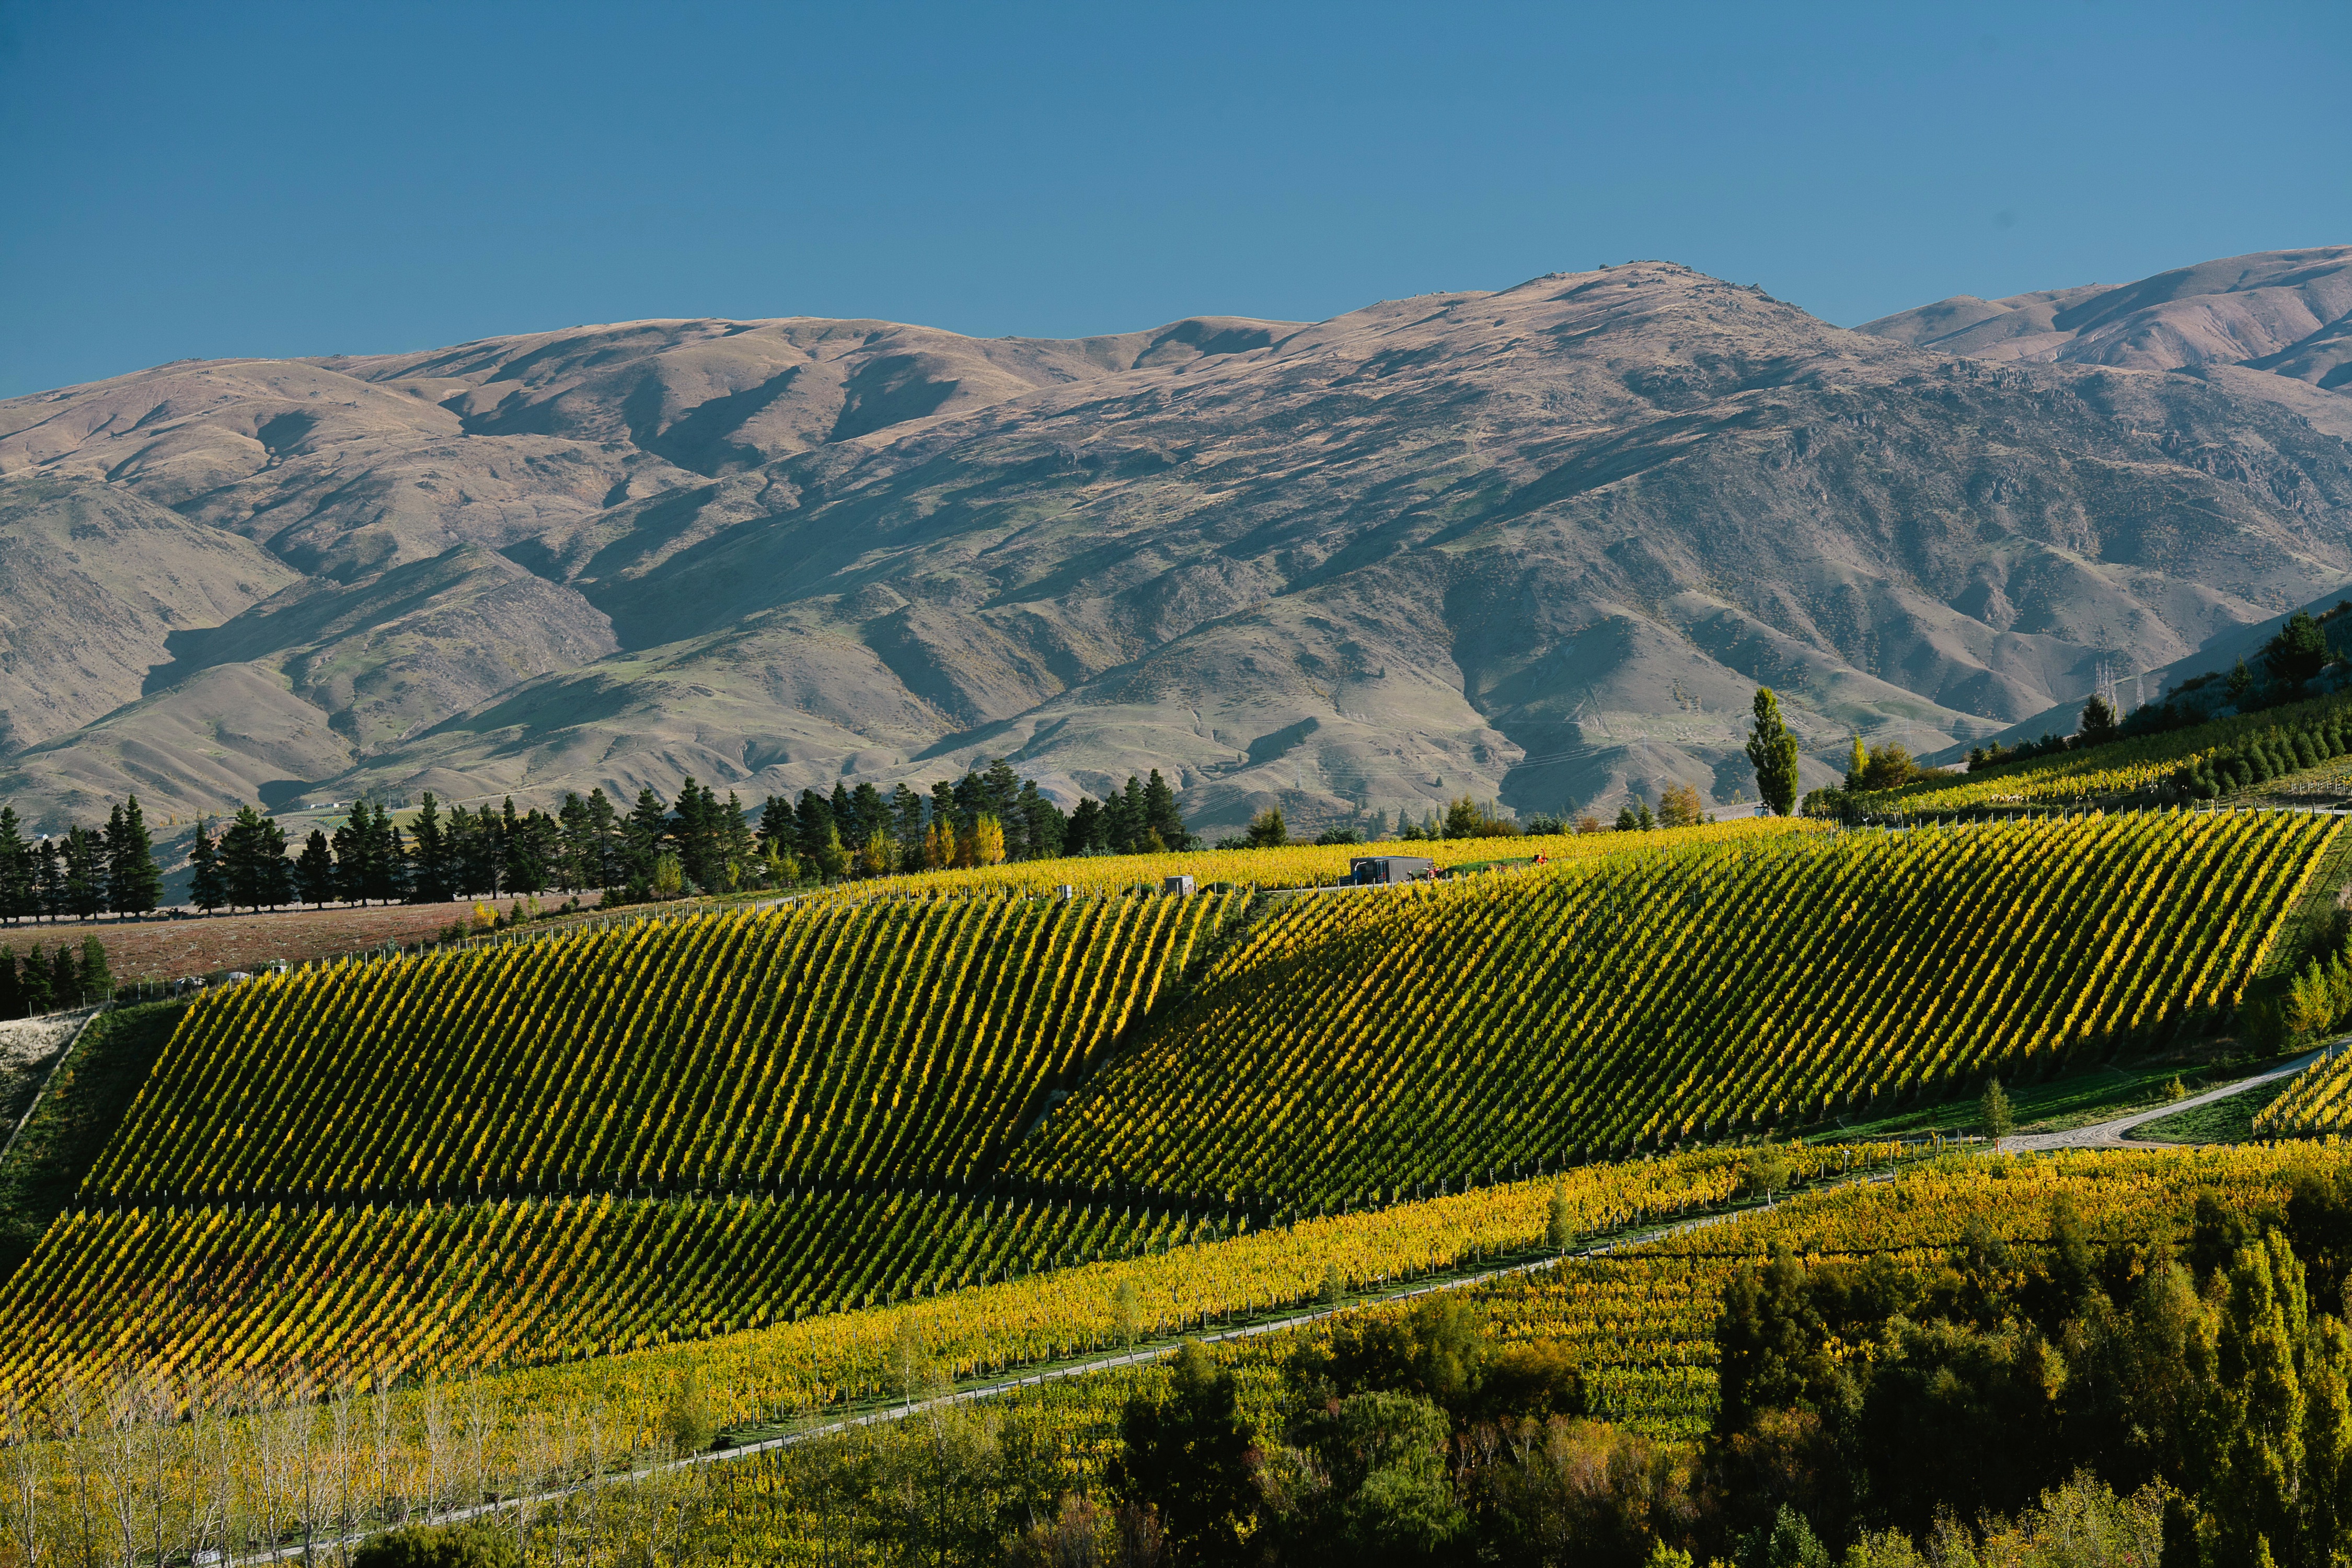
2318, 1100
1299, 865
2199, 763
885, 1041
449, 1289
1355, 1042
776, 1284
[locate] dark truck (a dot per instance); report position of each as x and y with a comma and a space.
1373, 871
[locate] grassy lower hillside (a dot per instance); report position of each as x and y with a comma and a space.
1359, 1042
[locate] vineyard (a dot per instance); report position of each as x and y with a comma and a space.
885, 1041
1301, 864
1641, 1321
446, 1291
1638, 1324
1349, 1046
2202, 761
823, 1153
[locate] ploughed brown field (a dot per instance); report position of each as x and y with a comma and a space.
164, 949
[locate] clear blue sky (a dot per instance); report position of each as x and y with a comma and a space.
225, 179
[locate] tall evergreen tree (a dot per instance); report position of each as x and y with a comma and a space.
602, 865
434, 875
845, 818
873, 813
351, 854
944, 810
314, 870
12, 994
51, 869
1186, 1454
700, 833
738, 851
970, 794
395, 873
484, 854
85, 872
643, 839
1088, 830
207, 886
35, 985
522, 866
1161, 815
20, 895
134, 883
1124, 817
1772, 751
813, 826
907, 824
65, 978
95, 975
1042, 826
999, 797
534, 852
576, 858
777, 828
253, 861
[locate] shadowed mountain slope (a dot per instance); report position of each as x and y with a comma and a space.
1539, 544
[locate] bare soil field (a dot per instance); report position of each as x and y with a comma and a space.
156, 949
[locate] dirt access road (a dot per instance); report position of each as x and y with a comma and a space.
2110, 1134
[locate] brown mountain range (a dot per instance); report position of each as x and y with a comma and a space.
1538, 544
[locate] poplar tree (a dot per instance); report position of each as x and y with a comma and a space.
1773, 752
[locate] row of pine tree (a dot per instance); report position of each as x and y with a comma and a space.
81, 872
652, 850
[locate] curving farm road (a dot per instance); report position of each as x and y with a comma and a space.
2110, 1134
